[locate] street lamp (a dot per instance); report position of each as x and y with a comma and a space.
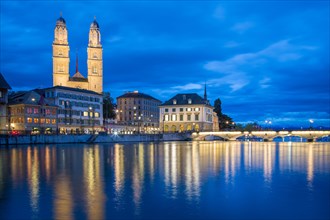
269, 123
311, 121
91, 117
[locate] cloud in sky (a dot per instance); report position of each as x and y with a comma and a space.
263, 59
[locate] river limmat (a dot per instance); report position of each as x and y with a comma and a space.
166, 180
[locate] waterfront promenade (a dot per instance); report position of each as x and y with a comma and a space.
308, 135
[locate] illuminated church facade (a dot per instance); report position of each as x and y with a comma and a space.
61, 59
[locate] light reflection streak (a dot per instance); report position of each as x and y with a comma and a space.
47, 163
268, 163
174, 170
119, 169
63, 201
33, 178
138, 177
151, 162
166, 165
196, 170
310, 165
93, 183
227, 163
188, 176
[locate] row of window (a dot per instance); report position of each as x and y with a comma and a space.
78, 121
51, 94
134, 102
146, 108
41, 120
182, 109
69, 104
30, 110
78, 113
189, 117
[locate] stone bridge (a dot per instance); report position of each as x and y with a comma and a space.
265, 135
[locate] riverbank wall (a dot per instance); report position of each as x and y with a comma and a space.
111, 138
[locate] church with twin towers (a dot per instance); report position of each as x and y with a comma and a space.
61, 59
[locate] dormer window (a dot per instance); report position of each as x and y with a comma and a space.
174, 101
189, 101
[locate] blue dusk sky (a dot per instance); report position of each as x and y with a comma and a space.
265, 60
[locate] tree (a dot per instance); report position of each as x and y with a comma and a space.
252, 127
217, 107
225, 122
108, 106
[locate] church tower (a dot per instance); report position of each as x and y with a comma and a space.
61, 57
94, 59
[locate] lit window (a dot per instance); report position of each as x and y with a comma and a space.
173, 117
189, 101
47, 121
53, 121
174, 101
29, 120
189, 109
196, 109
166, 117
97, 114
85, 113
36, 120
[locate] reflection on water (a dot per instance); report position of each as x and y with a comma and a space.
99, 181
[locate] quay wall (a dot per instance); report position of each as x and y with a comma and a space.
88, 138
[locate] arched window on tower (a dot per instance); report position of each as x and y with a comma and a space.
94, 69
60, 68
95, 56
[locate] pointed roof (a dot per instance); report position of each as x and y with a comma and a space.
78, 75
3, 83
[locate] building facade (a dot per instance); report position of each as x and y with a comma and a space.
31, 113
79, 110
4, 120
61, 59
186, 112
138, 110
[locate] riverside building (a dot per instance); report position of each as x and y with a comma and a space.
4, 88
79, 110
31, 113
186, 112
139, 112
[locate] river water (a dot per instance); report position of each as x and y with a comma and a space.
171, 180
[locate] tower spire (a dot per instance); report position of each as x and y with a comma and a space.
77, 61
205, 94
